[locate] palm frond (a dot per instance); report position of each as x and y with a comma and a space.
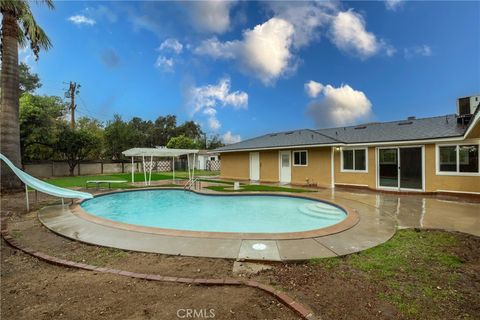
33, 33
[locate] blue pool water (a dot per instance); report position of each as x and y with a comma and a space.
183, 210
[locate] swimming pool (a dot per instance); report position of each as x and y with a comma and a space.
189, 211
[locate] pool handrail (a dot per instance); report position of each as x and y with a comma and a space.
43, 186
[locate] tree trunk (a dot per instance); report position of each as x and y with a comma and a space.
9, 125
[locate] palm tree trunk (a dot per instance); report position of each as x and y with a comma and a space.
9, 125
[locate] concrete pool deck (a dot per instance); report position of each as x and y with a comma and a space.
379, 217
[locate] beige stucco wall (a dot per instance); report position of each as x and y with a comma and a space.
318, 169
366, 179
235, 165
434, 182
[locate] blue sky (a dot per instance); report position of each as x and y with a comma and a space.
242, 69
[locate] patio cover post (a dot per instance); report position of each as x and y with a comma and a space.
193, 170
133, 170
151, 166
173, 167
188, 166
144, 171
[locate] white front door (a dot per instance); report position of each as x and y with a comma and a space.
254, 166
285, 166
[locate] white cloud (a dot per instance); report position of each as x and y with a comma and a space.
211, 16
164, 63
416, 51
306, 17
171, 44
81, 20
263, 52
207, 99
313, 88
339, 107
101, 12
393, 5
218, 50
349, 34
229, 138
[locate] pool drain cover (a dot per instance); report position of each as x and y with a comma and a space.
259, 246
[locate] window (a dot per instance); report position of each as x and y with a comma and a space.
354, 160
300, 158
457, 159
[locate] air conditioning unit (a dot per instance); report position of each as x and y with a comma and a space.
467, 105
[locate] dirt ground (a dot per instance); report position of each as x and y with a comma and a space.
339, 289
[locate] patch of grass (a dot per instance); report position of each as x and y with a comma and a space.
256, 187
104, 256
80, 181
412, 265
329, 263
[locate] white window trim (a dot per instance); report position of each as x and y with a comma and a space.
293, 158
353, 170
455, 173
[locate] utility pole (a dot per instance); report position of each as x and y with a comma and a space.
73, 89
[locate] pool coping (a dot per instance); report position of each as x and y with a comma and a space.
349, 222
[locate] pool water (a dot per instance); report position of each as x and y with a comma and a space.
184, 210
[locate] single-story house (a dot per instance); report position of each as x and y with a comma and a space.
435, 155
207, 160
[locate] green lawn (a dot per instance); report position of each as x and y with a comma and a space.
80, 181
418, 268
255, 187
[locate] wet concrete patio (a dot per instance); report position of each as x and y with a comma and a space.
380, 216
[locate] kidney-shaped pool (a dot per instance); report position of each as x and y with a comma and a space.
189, 211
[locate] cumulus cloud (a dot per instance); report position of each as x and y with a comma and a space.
313, 88
165, 64
211, 16
417, 51
349, 34
229, 138
208, 98
339, 107
306, 17
81, 20
166, 60
263, 52
172, 45
393, 5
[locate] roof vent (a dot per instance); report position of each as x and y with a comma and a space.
360, 127
411, 118
405, 123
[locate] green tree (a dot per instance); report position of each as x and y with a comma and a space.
28, 81
75, 145
18, 28
182, 142
190, 129
119, 136
164, 129
41, 120
95, 127
215, 142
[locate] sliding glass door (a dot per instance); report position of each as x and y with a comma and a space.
388, 167
411, 168
400, 168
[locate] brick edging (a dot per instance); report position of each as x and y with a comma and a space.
296, 306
